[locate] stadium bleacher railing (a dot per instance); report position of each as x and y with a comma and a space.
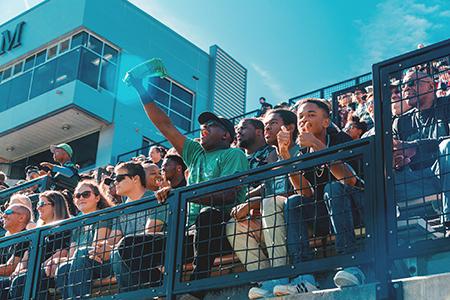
385, 236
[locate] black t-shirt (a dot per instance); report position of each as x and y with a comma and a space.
425, 128
55, 242
319, 176
16, 250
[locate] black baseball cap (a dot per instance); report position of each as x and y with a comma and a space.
208, 116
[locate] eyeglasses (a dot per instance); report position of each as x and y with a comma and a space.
121, 177
85, 195
42, 204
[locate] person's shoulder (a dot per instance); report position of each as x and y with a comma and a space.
237, 152
339, 137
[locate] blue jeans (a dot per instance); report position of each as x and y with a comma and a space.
413, 184
135, 262
75, 278
5, 283
345, 206
18, 283
301, 213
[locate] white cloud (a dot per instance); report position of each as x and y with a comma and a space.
397, 27
422, 8
27, 4
274, 86
445, 13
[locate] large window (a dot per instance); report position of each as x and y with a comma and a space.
175, 100
82, 56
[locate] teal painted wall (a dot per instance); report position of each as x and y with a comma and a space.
139, 37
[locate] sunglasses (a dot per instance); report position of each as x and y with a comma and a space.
9, 212
121, 177
85, 195
412, 83
42, 204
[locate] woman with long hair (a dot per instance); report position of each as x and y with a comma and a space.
87, 260
52, 208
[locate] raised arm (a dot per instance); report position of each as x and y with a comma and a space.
158, 117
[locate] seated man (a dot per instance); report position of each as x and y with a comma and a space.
137, 256
421, 143
15, 218
65, 174
326, 192
246, 241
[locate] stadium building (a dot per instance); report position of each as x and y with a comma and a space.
60, 81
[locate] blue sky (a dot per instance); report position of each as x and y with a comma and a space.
293, 46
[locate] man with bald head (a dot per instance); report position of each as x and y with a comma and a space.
16, 218
421, 142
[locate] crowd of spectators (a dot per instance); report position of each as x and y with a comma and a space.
265, 223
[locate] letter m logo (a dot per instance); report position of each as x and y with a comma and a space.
9, 42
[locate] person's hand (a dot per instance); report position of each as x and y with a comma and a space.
402, 153
50, 267
284, 138
100, 251
240, 212
47, 165
163, 194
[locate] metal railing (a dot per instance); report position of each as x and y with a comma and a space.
382, 236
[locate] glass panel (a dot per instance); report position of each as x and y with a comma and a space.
44, 79
51, 52
108, 76
64, 46
20, 86
29, 63
162, 83
79, 39
4, 95
67, 67
181, 94
180, 122
95, 44
6, 74
160, 96
110, 53
89, 68
40, 57
180, 107
18, 68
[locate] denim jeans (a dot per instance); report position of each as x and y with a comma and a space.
75, 278
135, 262
413, 184
301, 213
18, 284
346, 207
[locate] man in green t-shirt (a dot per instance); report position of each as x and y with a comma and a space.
208, 159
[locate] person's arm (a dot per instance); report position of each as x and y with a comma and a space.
158, 117
101, 252
8, 268
154, 226
241, 211
299, 182
339, 169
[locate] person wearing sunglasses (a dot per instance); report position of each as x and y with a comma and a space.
133, 261
25, 201
421, 143
87, 259
52, 208
15, 219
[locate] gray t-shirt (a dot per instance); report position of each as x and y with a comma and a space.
134, 223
